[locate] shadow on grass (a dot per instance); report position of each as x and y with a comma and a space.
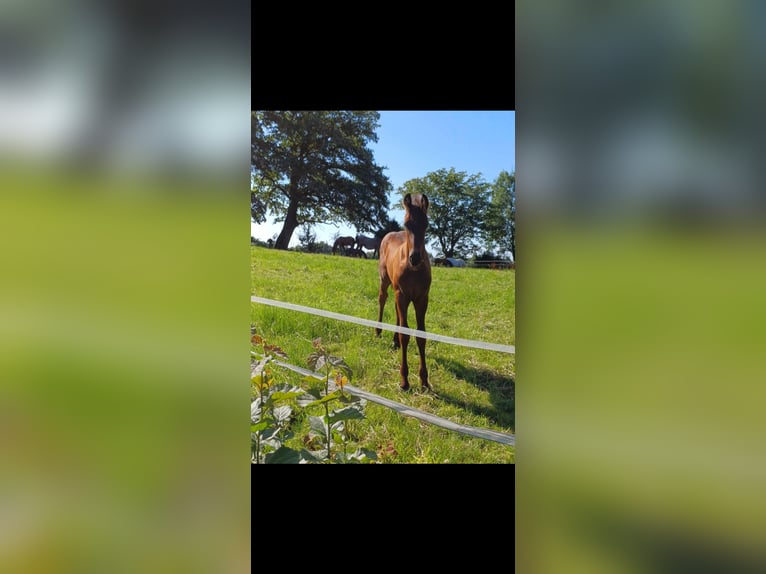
501, 389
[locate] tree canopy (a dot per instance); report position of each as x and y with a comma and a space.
312, 167
389, 225
500, 227
458, 204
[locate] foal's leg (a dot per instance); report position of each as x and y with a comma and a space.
382, 297
421, 307
401, 312
397, 341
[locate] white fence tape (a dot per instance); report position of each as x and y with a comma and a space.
488, 434
385, 326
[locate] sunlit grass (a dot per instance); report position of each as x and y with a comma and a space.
472, 386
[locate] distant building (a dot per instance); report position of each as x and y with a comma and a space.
449, 262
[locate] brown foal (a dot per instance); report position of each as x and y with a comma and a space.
404, 264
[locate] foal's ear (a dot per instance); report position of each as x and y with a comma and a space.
407, 203
424, 203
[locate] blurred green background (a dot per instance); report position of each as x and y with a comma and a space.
641, 282
641, 432
124, 339
124, 160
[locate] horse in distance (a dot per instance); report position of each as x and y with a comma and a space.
368, 243
342, 243
404, 265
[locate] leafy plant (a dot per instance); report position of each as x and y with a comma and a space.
270, 419
274, 408
333, 428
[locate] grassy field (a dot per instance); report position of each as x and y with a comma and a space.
472, 386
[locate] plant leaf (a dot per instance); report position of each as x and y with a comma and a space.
284, 395
316, 388
349, 399
316, 361
339, 363
340, 457
305, 400
269, 433
283, 455
327, 398
346, 413
340, 380
283, 413
307, 457
363, 455
273, 444
259, 426
257, 368
318, 425
276, 350
316, 456
337, 436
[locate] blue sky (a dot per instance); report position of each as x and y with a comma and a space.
412, 144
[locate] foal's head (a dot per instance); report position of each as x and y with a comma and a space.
415, 224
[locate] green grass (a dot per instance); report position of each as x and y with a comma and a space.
472, 386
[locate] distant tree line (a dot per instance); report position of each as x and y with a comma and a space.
468, 214
317, 167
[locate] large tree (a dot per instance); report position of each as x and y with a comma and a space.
316, 167
387, 226
257, 206
457, 206
500, 226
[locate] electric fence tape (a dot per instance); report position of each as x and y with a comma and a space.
487, 434
385, 326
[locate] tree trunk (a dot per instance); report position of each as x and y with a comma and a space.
443, 245
449, 250
289, 226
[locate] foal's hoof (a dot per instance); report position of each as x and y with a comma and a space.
404, 386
